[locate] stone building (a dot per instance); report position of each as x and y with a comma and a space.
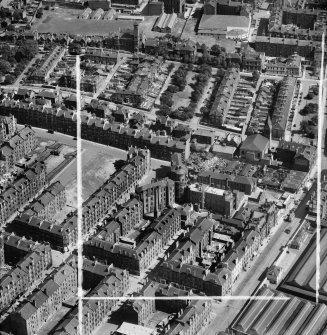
25, 187
46, 300
157, 196
18, 146
8, 127
49, 203
24, 275
179, 174
95, 129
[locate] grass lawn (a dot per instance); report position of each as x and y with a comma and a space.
183, 98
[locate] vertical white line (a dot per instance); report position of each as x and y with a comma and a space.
79, 197
319, 162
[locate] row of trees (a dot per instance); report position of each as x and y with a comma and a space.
178, 85
309, 109
309, 127
15, 59
205, 110
216, 56
202, 80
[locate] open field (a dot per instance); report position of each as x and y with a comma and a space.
64, 20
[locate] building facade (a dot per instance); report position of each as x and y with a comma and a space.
157, 196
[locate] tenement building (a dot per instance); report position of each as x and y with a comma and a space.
47, 205
157, 196
290, 30
26, 185
45, 301
114, 191
24, 275
136, 253
8, 127
16, 147
61, 236
95, 129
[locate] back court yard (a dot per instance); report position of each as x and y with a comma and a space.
97, 166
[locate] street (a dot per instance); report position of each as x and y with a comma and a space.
226, 310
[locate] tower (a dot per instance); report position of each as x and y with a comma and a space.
136, 36
2, 253
178, 173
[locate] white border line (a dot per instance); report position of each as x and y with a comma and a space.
81, 298
192, 297
319, 163
79, 198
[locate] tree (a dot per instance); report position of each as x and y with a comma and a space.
255, 75
9, 79
26, 50
309, 96
314, 120
305, 127
5, 66
204, 110
172, 88
75, 48
5, 51
170, 67
215, 50
205, 69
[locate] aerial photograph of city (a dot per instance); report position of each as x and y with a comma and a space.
163, 167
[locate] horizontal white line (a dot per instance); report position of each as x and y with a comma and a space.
192, 297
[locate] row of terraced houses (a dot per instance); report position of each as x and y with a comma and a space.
94, 129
